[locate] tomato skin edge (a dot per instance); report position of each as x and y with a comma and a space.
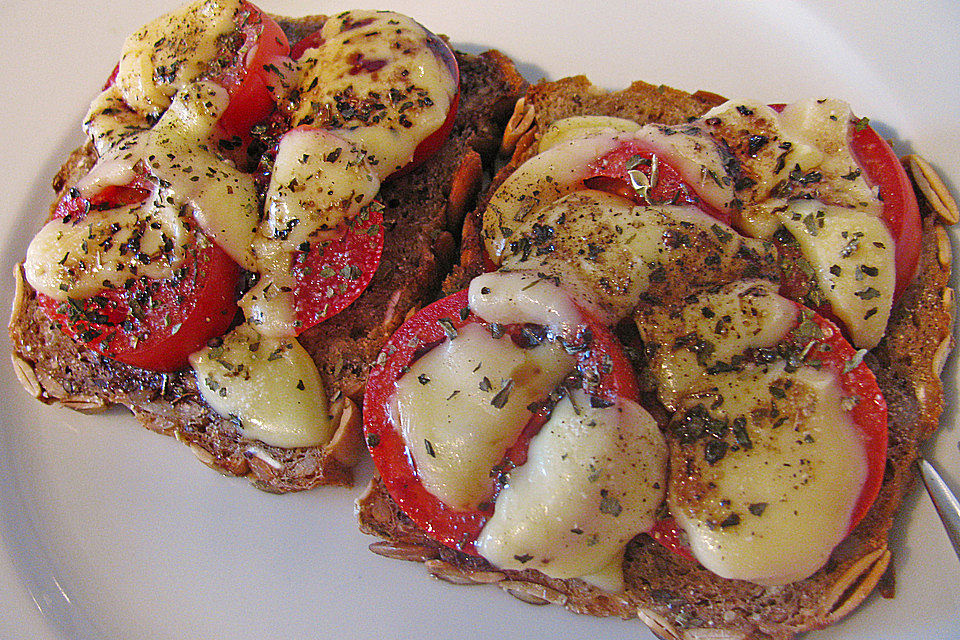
883, 169
387, 447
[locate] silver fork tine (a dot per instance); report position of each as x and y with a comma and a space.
946, 503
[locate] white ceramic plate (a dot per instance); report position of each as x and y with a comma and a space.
112, 532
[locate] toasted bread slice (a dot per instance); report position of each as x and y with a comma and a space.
675, 597
423, 216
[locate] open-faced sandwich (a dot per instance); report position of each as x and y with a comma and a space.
259, 204
688, 348
686, 370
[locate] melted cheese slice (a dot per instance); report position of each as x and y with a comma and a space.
270, 386
319, 182
808, 138
773, 513
593, 480
562, 168
376, 79
78, 259
222, 199
575, 127
851, 253
172, 51
743, 315
800, 174
819, 132
539, 181
149, 238
506, 296
604, 249
766, 461
177, 151
463, 403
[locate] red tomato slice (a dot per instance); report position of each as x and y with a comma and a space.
883, 169
605, 374
611, 174
250, 82
330, 277
152, 324
156, 324
869, 414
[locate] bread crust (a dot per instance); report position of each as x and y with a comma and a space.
423, 217
673, 596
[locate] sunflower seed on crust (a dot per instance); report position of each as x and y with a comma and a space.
471, 576
487, 577
27, 377
203, 455
258, 452
658, 624
933, 189
944, 250
464, 189
713, 634
84, 405
23, 368
663, 629
854, 585
457, 575
19, 294
520, 123
447, 572
532, 593
940, 357
401, 551
345, 444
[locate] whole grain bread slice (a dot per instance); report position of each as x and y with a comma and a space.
422, 220
674, 597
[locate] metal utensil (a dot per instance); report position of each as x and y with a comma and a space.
946, 503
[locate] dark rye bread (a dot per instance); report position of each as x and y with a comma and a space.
676, 598
422, 220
